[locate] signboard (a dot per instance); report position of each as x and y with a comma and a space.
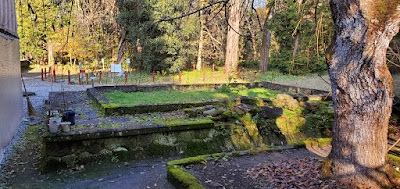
116, 68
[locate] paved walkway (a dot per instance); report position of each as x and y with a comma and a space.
34, 83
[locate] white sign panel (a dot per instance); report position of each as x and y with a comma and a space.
116, 68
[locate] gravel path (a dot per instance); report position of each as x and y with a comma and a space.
42, 89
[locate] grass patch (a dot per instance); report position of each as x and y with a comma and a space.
175, 96
318, 141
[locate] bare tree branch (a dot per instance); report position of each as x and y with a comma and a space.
194, 12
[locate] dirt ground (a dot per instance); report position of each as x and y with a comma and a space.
233, 172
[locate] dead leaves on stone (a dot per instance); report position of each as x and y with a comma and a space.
302, 173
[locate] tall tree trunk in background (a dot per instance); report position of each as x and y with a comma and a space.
295, 47
122, 46
70, 56
296, 43
362, 90
232, 38
50, 55
265, 41
198, 65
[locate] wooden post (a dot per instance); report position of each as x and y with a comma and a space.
42, 74
213, 67
87, 79
54, 75
204, 75
204, 67
154, 75
194, 67
255, 76
45, 73
180, 76
79, 79
126, 77
185, 66
69, 77
239, 73
100, 78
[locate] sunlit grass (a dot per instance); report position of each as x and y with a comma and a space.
174, 96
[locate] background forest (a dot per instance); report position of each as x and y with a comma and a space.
289, 37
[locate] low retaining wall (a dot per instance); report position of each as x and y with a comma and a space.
67, 150
97, 95
122, 144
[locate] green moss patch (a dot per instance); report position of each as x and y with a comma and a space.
182, 179
175, 96
318, 141
394, 160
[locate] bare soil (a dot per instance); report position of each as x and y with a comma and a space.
297, 168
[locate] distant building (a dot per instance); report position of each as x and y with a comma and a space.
11, 110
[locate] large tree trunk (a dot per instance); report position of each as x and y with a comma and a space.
265, 41
295, 47
232, 38
199, 52
362, 90
122, 47
50, 54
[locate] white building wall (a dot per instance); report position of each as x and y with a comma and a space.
11, 110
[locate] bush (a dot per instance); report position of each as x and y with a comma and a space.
250, 64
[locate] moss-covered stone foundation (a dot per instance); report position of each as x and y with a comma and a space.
97, 95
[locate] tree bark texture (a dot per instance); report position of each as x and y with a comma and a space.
199, 52
122, 47
362, 90
137, 51
265, 42
50, 54
232, 38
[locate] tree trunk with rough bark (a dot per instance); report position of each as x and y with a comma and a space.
232, 38
122, 47
362, 90
50, 54
199, 52
265, 42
